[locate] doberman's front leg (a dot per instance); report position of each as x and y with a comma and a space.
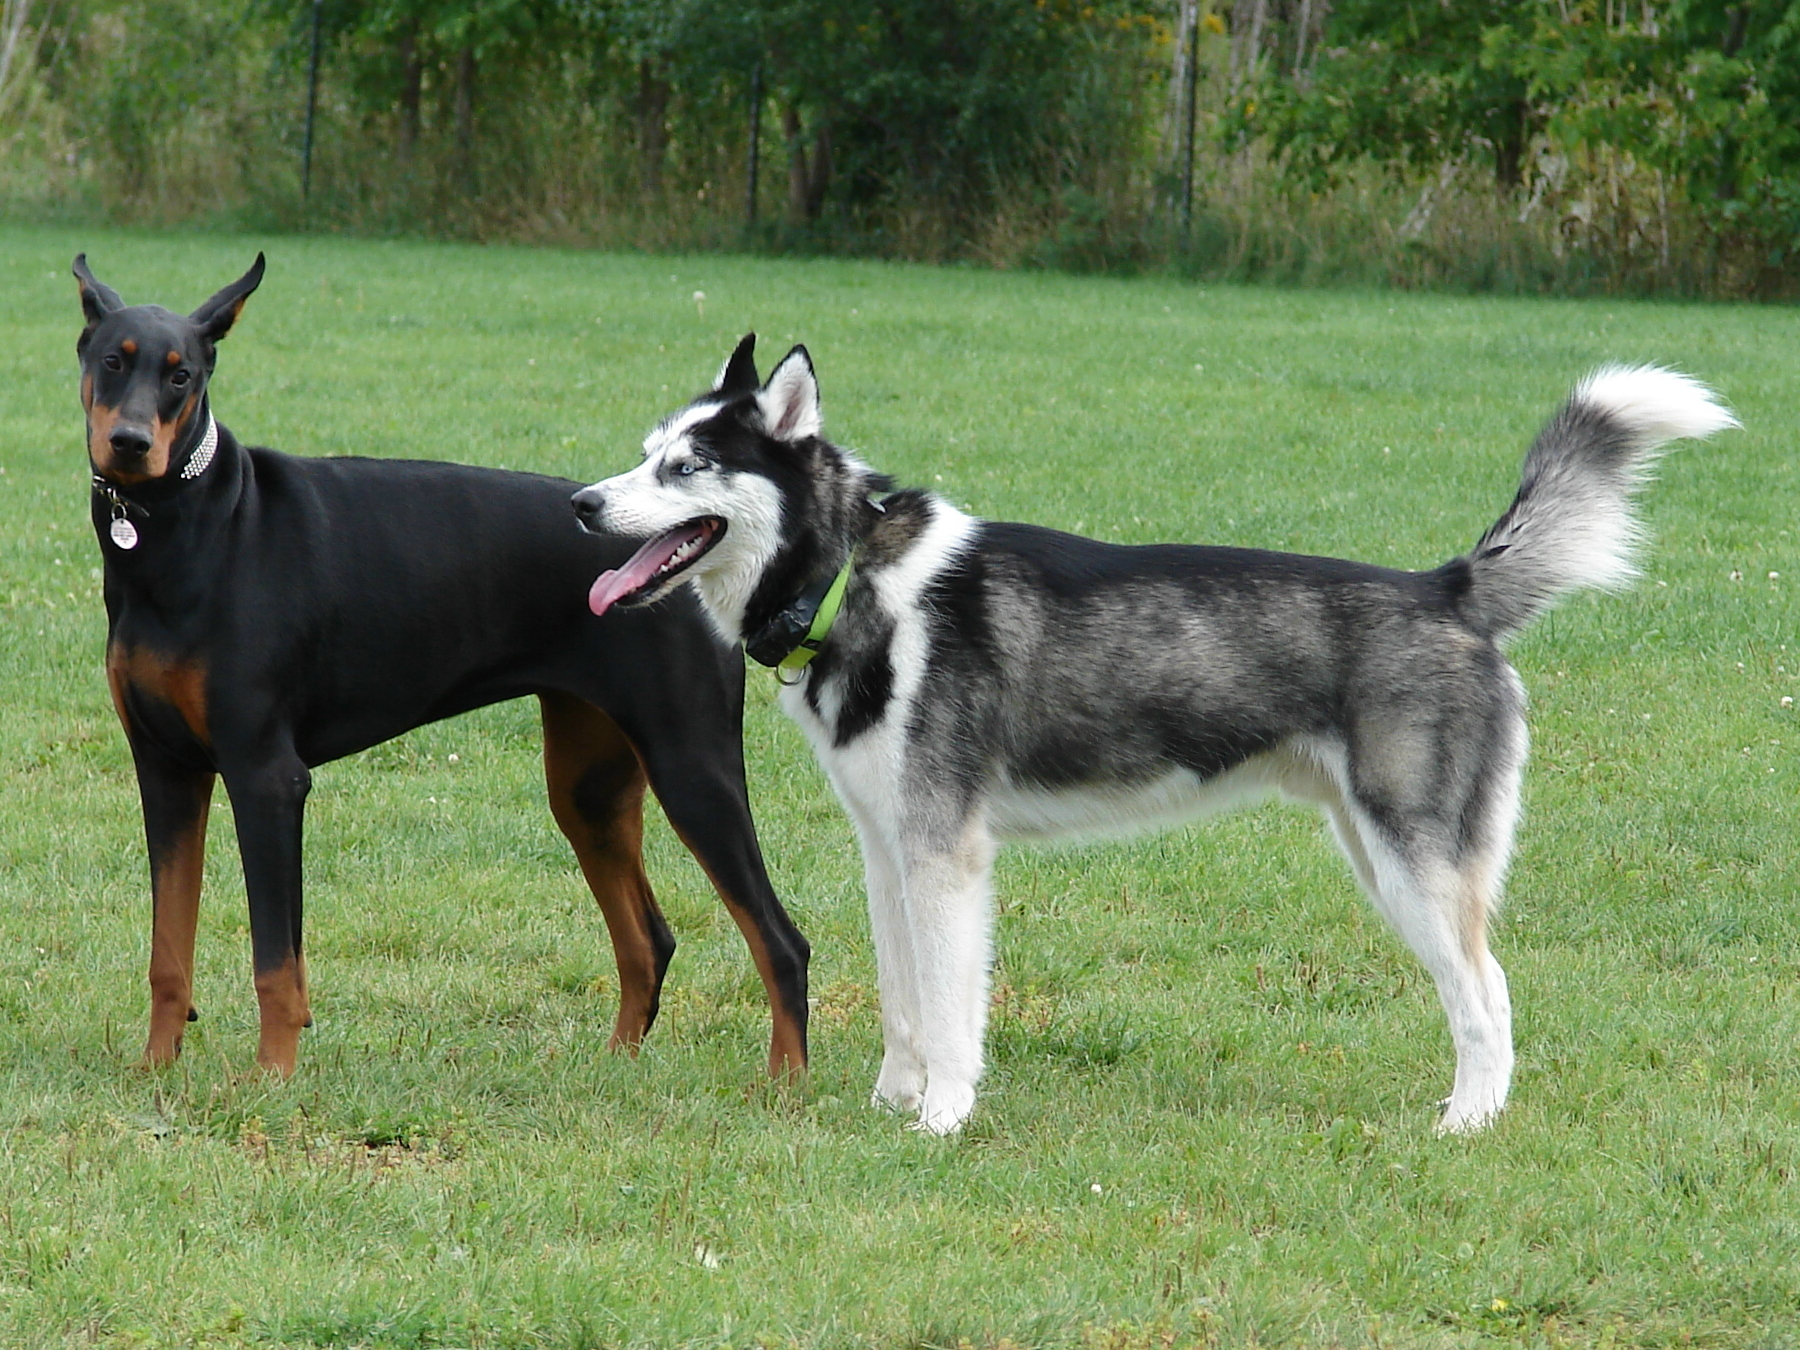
176, 802
269, 800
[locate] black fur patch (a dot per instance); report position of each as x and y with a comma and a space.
861, 663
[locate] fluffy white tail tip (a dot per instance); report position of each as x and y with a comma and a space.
1658, 405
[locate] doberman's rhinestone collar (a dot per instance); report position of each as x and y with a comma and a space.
202, 456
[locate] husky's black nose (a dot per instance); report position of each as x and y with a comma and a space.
130, 442
588, 504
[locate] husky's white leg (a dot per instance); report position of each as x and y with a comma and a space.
949, 905
1472, 987
1434, 872
1344, 831
1446, 927
1441, 912
1481, 1022
901, 1083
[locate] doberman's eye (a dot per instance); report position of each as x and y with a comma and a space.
112, 362
180, 379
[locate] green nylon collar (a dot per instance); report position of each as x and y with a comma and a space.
796, 661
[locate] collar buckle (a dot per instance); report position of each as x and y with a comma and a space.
790, 668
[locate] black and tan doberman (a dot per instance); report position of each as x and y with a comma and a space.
268, 613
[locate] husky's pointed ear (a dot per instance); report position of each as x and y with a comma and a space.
738, 374
789, 402
216, 316
97, 299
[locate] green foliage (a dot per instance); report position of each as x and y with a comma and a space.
932, 106
1701, 93
1580, 145
1405, 83
950, 101
169, 107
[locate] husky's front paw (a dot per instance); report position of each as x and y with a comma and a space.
1468, 1117
900, 1085
945, 1108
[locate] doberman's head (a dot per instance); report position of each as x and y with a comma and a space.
143, 375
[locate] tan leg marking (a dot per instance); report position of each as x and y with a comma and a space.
596, 787
285, 1011
787, 1040
175, 907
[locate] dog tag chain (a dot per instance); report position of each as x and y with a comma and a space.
121, 531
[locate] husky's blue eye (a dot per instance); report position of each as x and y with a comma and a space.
687, 468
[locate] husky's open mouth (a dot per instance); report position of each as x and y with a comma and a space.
663, 557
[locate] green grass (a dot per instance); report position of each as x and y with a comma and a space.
1208, 1116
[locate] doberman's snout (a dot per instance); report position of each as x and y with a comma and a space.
130, 442
590, 505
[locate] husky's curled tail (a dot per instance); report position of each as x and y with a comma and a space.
1571, 526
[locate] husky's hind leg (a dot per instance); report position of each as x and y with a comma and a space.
1437, 891
1441, 910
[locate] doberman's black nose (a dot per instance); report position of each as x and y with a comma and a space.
588, 504
130, 442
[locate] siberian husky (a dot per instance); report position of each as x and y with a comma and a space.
973, 681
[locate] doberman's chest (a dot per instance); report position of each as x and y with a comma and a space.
160, 695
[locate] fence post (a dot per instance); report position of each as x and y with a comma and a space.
1193, 95
312, 105
756, 102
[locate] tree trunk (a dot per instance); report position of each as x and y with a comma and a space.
1509, 146
1175, 116
412, 79
652, 127
13, 14
466, 70
818, 173
1247, 20
809, 175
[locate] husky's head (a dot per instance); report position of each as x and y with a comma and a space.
737, 493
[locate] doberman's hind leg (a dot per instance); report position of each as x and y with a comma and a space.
597, 796
176, 802
268, 797
699, 779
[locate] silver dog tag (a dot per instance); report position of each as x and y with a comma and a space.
123, 533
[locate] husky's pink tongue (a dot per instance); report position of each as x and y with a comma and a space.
640, 569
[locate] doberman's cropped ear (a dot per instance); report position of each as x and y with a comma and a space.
738, 374
97, 299
217, 315
789, 402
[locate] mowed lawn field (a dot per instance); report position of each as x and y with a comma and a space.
1208, 1116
